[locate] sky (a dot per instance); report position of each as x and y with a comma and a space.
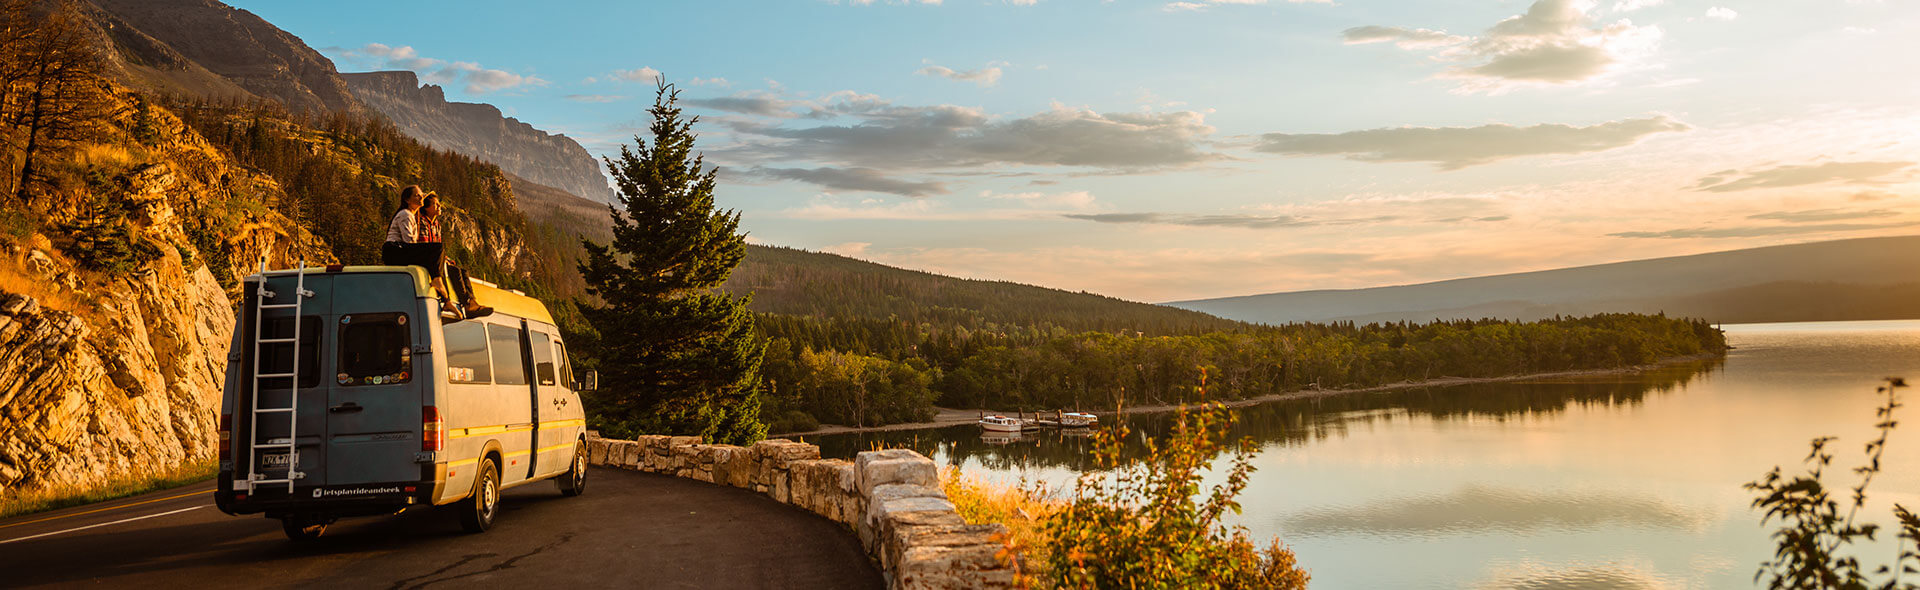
1160, 151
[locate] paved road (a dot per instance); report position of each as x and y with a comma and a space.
629, 529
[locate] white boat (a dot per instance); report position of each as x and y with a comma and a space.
1078, 420
997, 423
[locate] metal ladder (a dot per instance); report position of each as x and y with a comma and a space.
255, 479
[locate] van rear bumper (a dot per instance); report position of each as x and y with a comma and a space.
343, 500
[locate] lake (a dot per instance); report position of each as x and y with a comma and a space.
1612, 481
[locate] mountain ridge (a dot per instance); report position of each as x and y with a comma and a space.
1647, 285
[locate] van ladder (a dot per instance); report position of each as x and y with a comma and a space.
255, 479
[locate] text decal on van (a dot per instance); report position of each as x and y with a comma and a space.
322, 493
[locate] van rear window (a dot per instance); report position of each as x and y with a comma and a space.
509, 369
375, 349
277, 357
467, 353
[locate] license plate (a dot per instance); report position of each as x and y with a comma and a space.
276, 460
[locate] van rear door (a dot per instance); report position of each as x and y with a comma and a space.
373, 410
269, 427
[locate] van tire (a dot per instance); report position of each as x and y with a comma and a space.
574, 481
476, 515
303, 528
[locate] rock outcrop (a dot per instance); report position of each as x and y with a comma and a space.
481, 131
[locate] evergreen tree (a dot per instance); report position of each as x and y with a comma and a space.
676, 355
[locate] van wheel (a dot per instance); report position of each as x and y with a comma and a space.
304, 527
575, 481
477, 515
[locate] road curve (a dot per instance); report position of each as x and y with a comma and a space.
629, 529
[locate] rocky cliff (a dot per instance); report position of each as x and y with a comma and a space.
481, 131
111, 374
232, 43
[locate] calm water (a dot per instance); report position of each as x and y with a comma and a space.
1608, 482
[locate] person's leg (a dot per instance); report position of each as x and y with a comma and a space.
463, 288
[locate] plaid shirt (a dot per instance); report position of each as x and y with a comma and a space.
429, 230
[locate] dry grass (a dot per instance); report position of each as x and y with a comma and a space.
62, 497
1024, 509
50, 295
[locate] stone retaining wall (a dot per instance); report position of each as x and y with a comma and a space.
892, 500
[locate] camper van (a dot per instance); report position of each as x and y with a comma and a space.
348, 394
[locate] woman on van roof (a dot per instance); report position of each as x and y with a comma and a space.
429, 226
405, 248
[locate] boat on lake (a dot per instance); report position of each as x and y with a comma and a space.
998, 423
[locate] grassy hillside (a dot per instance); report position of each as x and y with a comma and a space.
1800, 282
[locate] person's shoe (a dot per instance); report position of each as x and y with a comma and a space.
450, 311
476, 310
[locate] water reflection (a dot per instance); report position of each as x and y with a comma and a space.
1611, 576
1478, 508
1293, 422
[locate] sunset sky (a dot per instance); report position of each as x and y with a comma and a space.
1174, 150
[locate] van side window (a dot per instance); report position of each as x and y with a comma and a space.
543, 358
507, 366
277, 357
375, 349
467, 353
566, 368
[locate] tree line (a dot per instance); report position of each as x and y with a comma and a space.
1099, 370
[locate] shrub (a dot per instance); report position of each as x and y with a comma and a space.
1024, 509
1137, 526
1811, 545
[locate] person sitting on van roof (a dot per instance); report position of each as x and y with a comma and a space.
404, 248
429, 226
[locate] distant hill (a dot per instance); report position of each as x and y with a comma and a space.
1857, 279
801, 283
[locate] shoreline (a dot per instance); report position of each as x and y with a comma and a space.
945, 417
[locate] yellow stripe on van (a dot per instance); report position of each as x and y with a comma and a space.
463, 462
563, 423
517, 453
556, 448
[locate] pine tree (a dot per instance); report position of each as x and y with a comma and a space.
676, 355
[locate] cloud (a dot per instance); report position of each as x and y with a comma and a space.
1757, 231
1202, 4
1452, 148
643, 74
748, 103
1801, 175
1075, 200
715, 81
1346, 212
1632, 5
886, 136
1553, 43
1404, 37
595, 98
1819, 215
476, 79
853, 179
1722, 13
984, 77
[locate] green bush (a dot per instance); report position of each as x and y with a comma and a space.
103, 239
1811, 545
1137, 526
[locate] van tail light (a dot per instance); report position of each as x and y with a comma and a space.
433, 432
226, 436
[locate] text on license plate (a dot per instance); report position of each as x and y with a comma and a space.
276, 459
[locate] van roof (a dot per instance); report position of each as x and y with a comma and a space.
505, 302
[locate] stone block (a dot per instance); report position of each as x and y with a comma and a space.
781, 453
630, 455
597, 451
895, 466
881, 513
681, 441
936, 529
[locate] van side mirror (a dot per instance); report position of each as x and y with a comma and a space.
588, 380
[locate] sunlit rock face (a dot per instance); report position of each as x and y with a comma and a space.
481, 131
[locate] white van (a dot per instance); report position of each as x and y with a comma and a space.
391, 407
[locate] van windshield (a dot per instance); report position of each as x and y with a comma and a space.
375, 349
